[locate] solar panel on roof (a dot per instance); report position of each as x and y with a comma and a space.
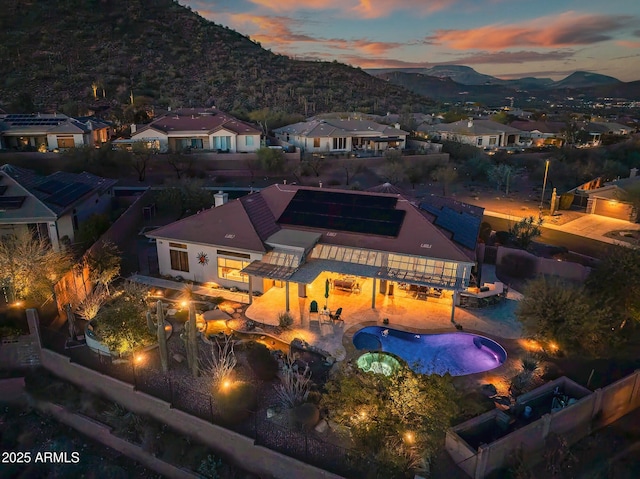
69, 194
50, 186
463, 226
11, 202
344, 212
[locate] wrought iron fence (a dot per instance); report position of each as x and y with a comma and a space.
295, 443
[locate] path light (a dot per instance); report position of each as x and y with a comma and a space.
226, 385
184, 304
553, 346
139, 358
409, 437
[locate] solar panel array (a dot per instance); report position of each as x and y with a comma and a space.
11, 202
463, 226
32, 120
344, 212
50, 186
69, 194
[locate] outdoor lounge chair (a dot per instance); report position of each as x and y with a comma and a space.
336, 316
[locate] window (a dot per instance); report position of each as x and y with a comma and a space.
339, 143
230, 269
177, 245
316, 142
493, 140
222, 142
196, 144
248, 141
179, 260
479, 141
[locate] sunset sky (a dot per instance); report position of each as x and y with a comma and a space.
503, 38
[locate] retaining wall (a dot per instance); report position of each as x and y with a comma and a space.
236, 447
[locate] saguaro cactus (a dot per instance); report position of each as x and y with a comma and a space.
192, 341
162, 339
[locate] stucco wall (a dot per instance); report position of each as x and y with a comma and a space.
573, 423
547, 266
238, 448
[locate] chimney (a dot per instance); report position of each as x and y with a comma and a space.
397, 125
220, 198
470, 123
284, 182
168, 108
320, 184
134, 128
633, 172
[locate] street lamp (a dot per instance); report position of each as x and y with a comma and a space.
544, 183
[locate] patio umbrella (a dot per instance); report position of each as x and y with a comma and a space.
326, 293
71, 319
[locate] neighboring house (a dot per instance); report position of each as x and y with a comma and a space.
51, 132
197, 129
338, 135
480, 133
53, 206
607, 199
597, 130
540, 133
278, 236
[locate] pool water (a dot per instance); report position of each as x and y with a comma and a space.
455, 353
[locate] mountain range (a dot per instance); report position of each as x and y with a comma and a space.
453, 82
69, 54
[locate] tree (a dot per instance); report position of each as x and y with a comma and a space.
315, 162
500, 175
180, 162
614, 284
272, 160
524, 231
187, 194
92, 229
31, 266
121, 325
104, 264
445, 175
399, 421
140, 157
350, 169
555, 310
415, 174
90, 306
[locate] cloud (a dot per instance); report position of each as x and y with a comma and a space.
511, 57
629, 43
564, 30
279, 32
360, 9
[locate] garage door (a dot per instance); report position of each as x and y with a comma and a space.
612, 209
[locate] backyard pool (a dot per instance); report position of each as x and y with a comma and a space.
454, 353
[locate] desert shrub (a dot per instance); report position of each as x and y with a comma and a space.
485, 232
502, 237
236, 402
263, 364
285, 320
306, 415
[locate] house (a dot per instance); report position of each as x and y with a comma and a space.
197, 129
341, 135
291, 235
540, 133
480, 133
51, 132
608, 199
53, 206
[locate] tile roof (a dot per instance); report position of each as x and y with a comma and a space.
58, 191
541, 126
475, 127
327, 128
205, 123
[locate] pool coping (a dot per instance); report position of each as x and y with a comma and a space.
352, 352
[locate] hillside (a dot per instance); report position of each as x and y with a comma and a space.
52, 51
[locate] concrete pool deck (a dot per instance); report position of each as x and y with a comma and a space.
402, 311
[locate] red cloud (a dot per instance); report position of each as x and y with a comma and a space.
567, 29
277, 31
358, 8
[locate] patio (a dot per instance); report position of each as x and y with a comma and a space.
401, 309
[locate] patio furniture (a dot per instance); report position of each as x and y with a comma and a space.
344, 284
336, 317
